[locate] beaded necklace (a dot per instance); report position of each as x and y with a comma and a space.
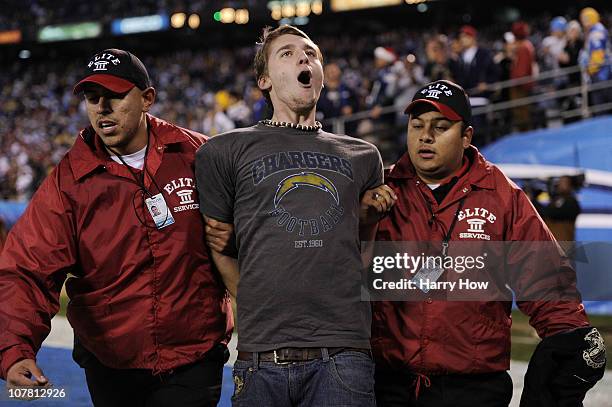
317, 126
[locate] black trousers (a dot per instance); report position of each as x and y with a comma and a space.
195, 385
398, 389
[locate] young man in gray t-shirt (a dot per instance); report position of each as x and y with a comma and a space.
293, 194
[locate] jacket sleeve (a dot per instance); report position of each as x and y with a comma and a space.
542, 277
563, 368
39, 251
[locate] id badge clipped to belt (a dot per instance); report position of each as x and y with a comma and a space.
159, 211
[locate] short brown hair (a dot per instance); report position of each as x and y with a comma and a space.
263, 47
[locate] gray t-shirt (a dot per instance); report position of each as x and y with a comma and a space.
293, 197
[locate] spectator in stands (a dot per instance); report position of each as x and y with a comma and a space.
504, 59
474, 70
409, 79
570, 58
548, 55
258, 102
238, 111
554, 44
384, 86
436, 51
596, 59
216, 121
523, 65
561, 213
337, 99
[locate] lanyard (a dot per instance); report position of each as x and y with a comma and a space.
447, 237
140, 182
139, 179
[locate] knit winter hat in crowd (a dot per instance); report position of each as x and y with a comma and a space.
468, 30
116, 70
447, 97
520, 29
558, 24
589, 15
385, 53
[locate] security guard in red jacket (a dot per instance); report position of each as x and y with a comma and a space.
439, 352
120, 214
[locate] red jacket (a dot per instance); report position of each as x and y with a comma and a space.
139, 297
440, 337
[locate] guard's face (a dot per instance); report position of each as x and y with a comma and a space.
295, 74
436, 145
116, 118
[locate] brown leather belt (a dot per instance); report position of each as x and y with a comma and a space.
288, 355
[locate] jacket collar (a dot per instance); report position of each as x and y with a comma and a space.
88, 153
476, 175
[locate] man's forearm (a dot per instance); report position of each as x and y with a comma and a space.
228, 267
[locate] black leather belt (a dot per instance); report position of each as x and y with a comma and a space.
288, 355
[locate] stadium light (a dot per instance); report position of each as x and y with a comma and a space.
288, 10
131, 25
10, 37
67, 32
302, 9
194, 21
242, 16
317, 7
178, 20
228, 15
277, 13
346, 5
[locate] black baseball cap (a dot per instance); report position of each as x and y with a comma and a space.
447, 97
116, 70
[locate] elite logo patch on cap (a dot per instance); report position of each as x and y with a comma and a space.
447, 97
116, 70
100, 62
434, 90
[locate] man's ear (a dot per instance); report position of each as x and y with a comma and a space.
264, 82
466, 137
148, 98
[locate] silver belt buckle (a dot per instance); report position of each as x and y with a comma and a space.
276, 359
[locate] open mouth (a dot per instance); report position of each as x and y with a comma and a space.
305, 78
107, 126
425, 152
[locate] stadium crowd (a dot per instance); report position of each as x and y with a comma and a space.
212, 90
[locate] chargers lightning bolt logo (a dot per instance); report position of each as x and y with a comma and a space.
309, 179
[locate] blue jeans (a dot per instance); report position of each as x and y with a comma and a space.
345, 379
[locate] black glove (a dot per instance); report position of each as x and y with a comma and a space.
563, 368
